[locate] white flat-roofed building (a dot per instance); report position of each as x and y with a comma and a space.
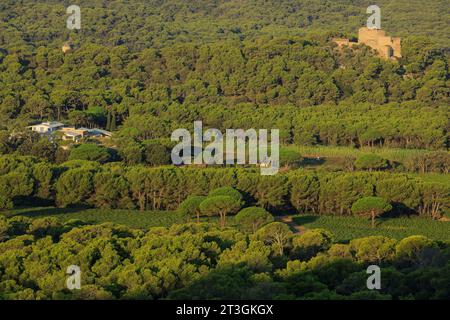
47, 127
68, 133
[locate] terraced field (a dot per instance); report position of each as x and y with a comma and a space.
346, 228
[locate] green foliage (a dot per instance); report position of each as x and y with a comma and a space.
220, 205
44, 176
4, 227
43, 149
266, 67
391, 154
371, 136
374, 206
399, 190
156, 154
130, 151
304, 191
200, 261
271, 191
43, 227
115, 185
347, 228
311, 242
224, 283
191, 207
270, 66
91, 152
79, 217
255, 255
290, 157
435, 161
74, 187
5, 203
277, 234
252, 218
343, 228
409, 249
111, 191
226, 191
4, 142
12, 185
374, 249
370, 162
369, 204
435, 199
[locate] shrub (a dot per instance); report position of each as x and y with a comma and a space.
226, 191
155, 153
311, 242
290, 157
374, 249
91, 152
253, 217
371, 162
409, 249
277, 234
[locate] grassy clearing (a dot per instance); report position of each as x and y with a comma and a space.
339, 152
346, 228
433, 177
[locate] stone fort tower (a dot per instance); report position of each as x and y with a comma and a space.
386, 47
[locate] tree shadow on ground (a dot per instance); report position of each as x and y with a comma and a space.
312, 161
45, 212
301, 220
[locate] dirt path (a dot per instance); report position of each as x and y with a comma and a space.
292, 225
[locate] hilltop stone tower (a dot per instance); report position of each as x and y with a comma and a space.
386, 46
67, 47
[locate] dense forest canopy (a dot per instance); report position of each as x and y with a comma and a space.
199, 261
158, 64
115, 185
142, 69
143, 24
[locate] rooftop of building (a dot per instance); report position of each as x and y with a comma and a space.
51, 124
